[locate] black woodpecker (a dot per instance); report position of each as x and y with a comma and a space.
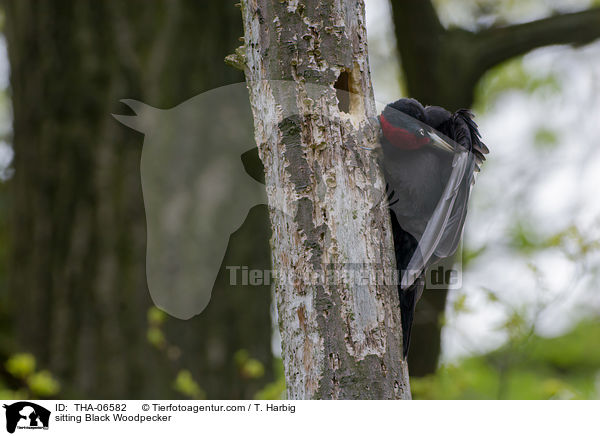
430, 157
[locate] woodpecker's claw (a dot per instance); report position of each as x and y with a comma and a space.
390, 195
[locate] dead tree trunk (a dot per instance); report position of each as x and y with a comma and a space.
341, 338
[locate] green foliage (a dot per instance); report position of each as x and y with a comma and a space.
528, 366
578, 350
156, 317
21, 365
156, 337
511, 76
460, 304
516, 324
154, 334
10, 395
42, 384
186, 385
248, 367
469, 255
35, 384
570, 240
275, 390
491, 296
565, 367
184, 381
472, 379
545, 138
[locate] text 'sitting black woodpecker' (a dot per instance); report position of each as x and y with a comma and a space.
430, 157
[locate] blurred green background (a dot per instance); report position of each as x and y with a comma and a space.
76, 319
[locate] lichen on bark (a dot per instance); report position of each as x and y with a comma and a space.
340, 338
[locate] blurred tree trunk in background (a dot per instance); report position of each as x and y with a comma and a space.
442, 67
77, 273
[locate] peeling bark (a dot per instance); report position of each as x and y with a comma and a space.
307, 71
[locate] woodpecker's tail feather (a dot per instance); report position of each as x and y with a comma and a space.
408, 302
405, 246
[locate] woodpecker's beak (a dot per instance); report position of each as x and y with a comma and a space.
440, 143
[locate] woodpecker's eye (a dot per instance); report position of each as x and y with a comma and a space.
421, 132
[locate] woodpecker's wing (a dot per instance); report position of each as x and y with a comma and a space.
444, 228
467, 135
461, 190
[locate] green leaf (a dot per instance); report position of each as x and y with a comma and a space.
156, 337
511, 76
253, 369
545, 138
42, 384
248, 366
275, 390
527, 367
460, 304
156, 316
21, 365
186, 385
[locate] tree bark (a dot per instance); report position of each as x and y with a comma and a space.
77, 273
339, 340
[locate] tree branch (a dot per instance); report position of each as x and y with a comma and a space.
500, 44
442, 67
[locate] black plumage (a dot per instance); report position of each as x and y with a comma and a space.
430, 156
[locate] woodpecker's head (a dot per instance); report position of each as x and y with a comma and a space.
403, 126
